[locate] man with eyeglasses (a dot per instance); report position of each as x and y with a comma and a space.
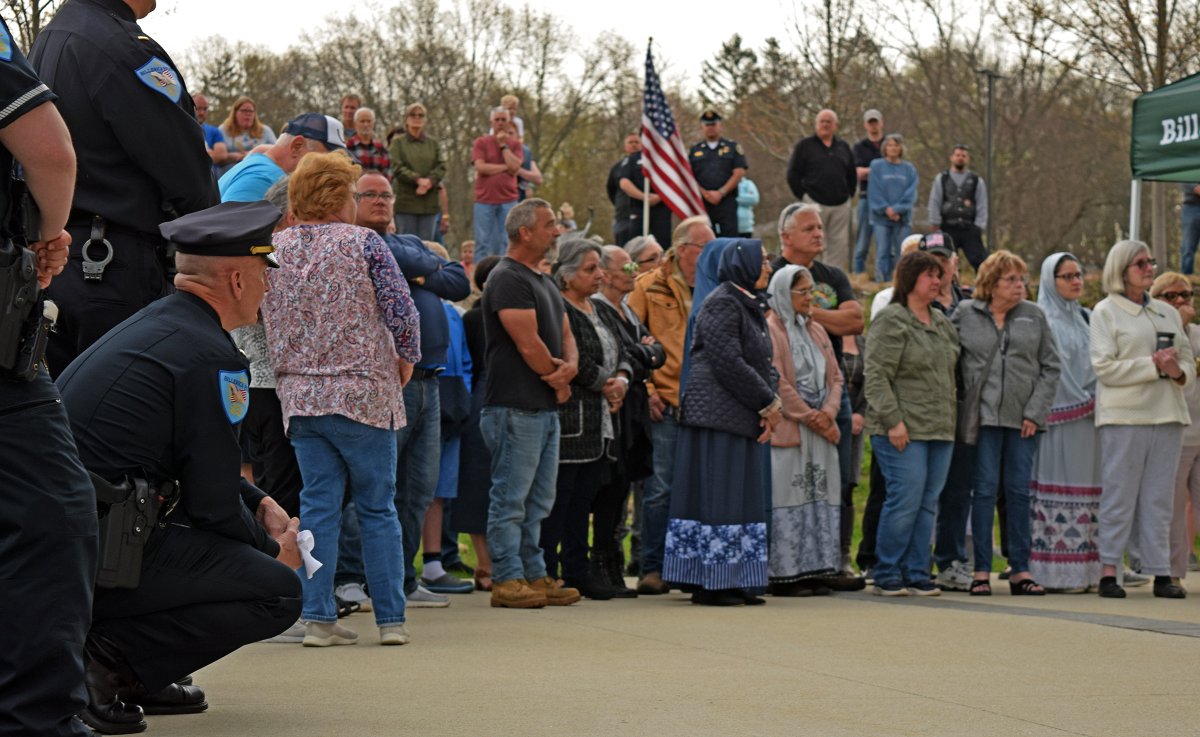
662, 300
431, 279
254, 175
718, 164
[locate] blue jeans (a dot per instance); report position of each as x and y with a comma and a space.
953, 507
1190, 220
418, 459
862, 244
887, 247
332, 450
490, 238
1002, 448
656, 492
418, 454
914, 479
524, 446
422, 226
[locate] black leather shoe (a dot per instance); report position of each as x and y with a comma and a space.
1109, 588
105, 712
592, 588
174, 699
1165, 588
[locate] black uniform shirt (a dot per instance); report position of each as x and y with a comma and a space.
713, 167
632, 170
140, 151
20, 92
160, 396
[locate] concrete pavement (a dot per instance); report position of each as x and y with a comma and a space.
847, 665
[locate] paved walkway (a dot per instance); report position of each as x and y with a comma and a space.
851, 665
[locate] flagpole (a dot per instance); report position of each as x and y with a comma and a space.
646, 185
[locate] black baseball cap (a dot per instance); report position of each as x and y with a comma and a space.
227, 229
939, 244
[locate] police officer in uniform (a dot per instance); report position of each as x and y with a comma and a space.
142, 161
718, 165
47, 506
158, 401
633, 186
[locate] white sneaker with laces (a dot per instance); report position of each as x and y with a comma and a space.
954, 577
355, 594
1133, 580
423, 598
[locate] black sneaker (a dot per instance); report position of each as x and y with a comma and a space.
1165, 588
1109, 588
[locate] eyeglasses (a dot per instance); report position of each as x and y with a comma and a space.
1177, 296
416, 115
697, 245
246, 110
1072, 276
650, 259
385, 196
1015, 279
1143, 263
802, 292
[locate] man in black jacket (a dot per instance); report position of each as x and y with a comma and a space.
821, 171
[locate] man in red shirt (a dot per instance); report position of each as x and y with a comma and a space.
497, 159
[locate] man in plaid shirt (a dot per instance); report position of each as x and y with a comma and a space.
366, 148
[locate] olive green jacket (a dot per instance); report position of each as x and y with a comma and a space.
909, 369
412, 159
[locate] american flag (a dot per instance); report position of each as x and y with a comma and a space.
664, 159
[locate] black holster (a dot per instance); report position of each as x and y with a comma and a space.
22, 334
129, 512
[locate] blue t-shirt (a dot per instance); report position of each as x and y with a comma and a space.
212, 135
250, 179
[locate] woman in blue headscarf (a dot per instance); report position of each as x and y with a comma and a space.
1066, 470
717, 534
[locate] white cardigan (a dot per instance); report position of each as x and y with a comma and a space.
1129, 390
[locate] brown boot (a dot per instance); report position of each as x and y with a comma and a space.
516, 594
556, 594
652, 584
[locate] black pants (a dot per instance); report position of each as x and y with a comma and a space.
968, 239
567, 523
870, 523
608, 509
202, 596
275, 469
89, 309
724, 217
48, 539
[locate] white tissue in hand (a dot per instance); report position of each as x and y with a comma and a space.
305, 541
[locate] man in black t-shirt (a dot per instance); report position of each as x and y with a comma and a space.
802, 239
531, 359
821, 172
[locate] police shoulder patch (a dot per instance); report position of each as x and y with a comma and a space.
738, 148
160, 77
6, 44
235, 394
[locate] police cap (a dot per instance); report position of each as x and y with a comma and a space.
227, 229
710, 116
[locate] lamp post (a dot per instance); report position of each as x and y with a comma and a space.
992, 76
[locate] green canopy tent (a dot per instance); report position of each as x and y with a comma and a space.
1165, 141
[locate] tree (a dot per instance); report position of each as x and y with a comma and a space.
28, 18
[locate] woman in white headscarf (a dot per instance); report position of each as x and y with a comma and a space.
1066, 469
805, 531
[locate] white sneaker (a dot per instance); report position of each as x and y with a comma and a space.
955, 577
394, 634
355, 594
324, 634
291, 635
1133, 580
423, 598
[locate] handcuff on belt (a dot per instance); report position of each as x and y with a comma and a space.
94, 270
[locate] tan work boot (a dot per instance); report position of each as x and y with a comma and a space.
652, 584
555, 593
516, 594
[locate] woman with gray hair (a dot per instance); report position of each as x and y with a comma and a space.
1143, 359
645, 252
890, 200
589, 431
805, 539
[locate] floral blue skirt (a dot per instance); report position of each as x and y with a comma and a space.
717, 532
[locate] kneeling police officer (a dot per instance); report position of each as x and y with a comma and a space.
155, 407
